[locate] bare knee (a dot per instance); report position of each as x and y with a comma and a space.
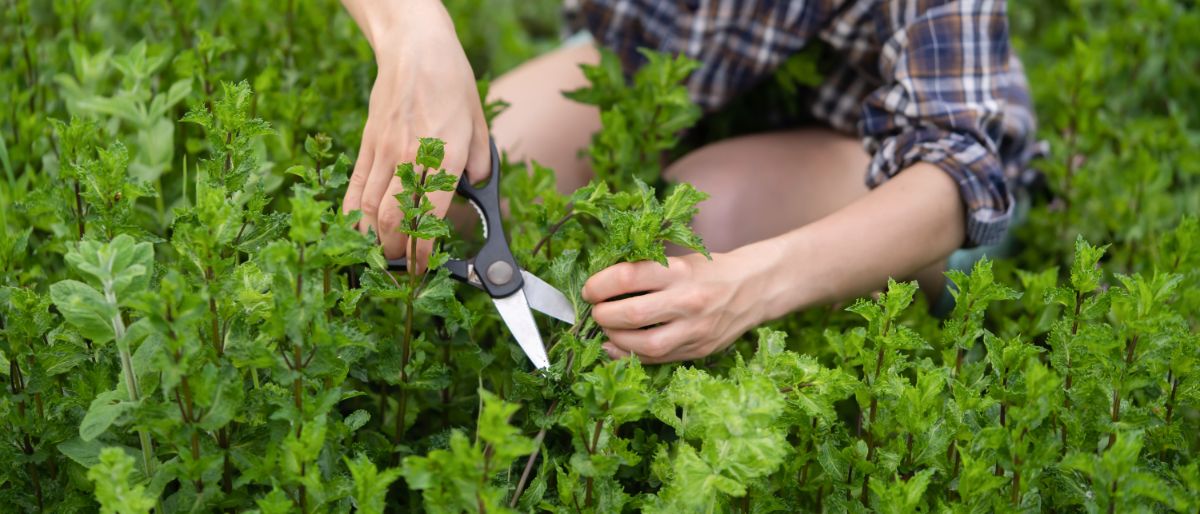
717, 219
765, 185
542, 125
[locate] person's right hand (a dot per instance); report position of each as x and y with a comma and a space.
424, 88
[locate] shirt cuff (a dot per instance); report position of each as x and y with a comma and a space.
975, 168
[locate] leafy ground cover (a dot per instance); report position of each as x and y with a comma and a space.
188, 324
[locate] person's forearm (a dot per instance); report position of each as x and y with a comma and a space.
377, 19
900, 227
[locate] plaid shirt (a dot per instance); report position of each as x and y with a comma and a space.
918, 80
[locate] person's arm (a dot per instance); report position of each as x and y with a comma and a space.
937, 179
424, 88
898, 228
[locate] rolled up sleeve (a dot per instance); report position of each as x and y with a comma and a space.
945, 72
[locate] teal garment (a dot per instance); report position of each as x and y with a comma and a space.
964, 260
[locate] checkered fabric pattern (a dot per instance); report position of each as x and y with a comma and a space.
918, 80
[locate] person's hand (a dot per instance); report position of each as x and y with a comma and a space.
690, 309
424, 88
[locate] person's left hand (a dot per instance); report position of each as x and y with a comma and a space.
690, 309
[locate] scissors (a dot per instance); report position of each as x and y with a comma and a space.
514, 291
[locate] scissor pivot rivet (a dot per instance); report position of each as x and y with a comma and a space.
500, 273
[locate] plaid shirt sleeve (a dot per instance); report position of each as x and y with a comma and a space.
945, 76
919, 80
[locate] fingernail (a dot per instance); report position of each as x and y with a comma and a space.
610, 350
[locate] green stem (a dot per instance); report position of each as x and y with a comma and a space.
1171, 399
1067, 381
592, 451
130, 376
18, 386
158, 202
79, 221
537, 447
414, 277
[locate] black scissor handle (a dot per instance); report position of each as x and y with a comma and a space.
495, 267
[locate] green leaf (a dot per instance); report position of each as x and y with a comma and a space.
275, 502
370, 485
221, 395
122, 267
84, 453
306, 217
103, 412
85, 309
430, 153
357, 419
1085, 270
506, 440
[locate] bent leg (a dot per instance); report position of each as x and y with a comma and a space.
764, 185
540, 123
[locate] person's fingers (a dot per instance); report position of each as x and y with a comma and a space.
424, 247
358, 178
383, 172
625, 278
614, 352
664, 343
453, 162
636, 312
389, 218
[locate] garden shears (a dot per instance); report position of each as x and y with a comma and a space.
514, 291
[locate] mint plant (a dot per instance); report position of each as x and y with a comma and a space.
189, 323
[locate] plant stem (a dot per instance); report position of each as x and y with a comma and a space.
811, 446
226, 465
212, 311
446, 396
1130, 351
596, 436
158, 202
17, 382
1171, 399
871, 417
592, 451
537, 447
34, 477
553, 229
298, 400
187, 410
1112, 498
79, 221
1067, 365
908, 442
406, 345
999, 471
131, 385
870, 450
405, 354
1014, 494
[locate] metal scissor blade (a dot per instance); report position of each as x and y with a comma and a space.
545, 299
514, 310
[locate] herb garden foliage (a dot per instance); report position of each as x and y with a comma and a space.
189, 324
